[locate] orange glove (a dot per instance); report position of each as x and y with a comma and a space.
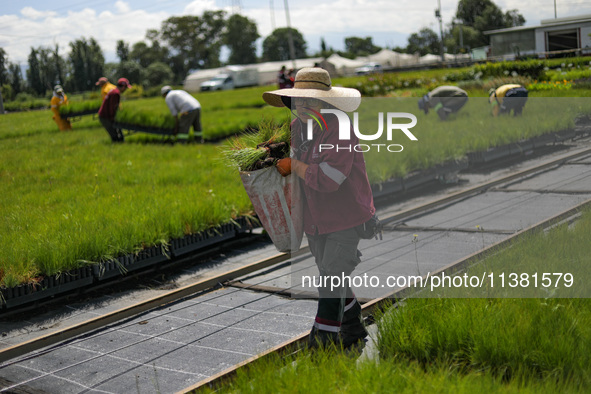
284, 166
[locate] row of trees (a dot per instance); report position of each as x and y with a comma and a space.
184, 43
472, 19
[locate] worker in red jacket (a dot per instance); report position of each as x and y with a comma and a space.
338, 209
109, 109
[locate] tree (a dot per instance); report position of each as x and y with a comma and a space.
424, 42
195, 40
47, 69
468, 10
489, 19
33, 74
240, 36
470, 39
87, 61
485, 15
357, 46
276, 46
122, 50
158, 73
3, 67
60, 65
325, 51
145, 55
15, 78
513, 19
131, 70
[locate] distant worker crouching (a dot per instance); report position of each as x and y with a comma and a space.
110, 107
506, 98
105, 86
186, 109
58, 99
444, 100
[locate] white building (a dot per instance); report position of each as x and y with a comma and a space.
558, 36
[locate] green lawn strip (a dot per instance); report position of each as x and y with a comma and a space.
544, 338
331, 372
461, 344
66, 198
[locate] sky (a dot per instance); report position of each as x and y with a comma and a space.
26, 24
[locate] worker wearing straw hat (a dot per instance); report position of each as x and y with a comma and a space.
338, 196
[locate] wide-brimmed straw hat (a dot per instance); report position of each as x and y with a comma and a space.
315, 83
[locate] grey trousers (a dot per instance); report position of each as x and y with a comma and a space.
335, 254
192, 118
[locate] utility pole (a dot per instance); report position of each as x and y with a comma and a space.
438, 16
272, 7
461, 24
290, 36
554, 9
1, 104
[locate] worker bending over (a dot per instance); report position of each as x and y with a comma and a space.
444, 100
186, 109
506, 98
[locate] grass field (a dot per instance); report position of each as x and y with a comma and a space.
466, 345
67, 199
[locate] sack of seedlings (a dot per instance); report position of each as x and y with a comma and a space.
277, 200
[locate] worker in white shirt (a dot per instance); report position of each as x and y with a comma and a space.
186, 109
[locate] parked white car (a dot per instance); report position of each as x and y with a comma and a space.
219, 82
369, 68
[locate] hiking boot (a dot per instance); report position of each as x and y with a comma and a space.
320, 339
352, 332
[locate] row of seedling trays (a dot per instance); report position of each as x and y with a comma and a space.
118, 267
128, 119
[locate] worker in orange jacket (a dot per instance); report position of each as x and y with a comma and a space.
59, 98
105, 86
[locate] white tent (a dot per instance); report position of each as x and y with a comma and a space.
429, 58
268, 71
342, 65
389, 58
